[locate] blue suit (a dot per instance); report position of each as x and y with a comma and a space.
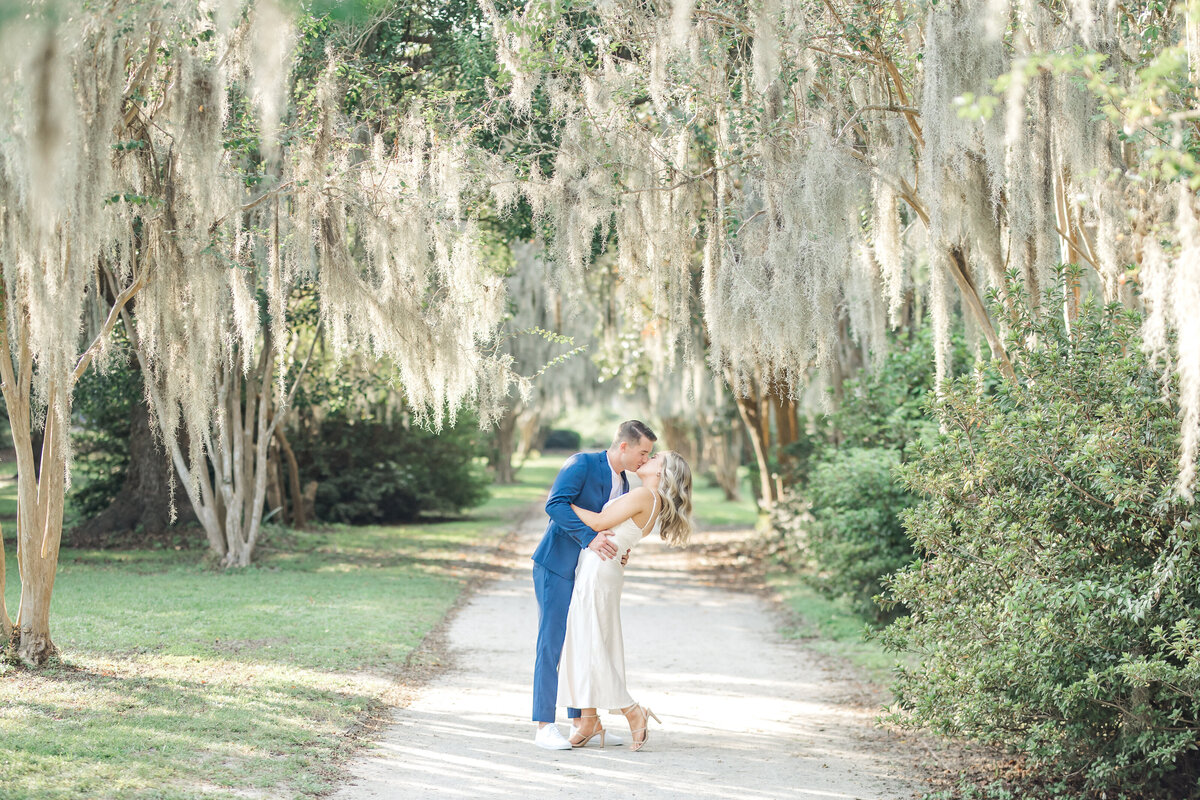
586, 481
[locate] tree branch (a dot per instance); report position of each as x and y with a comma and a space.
114, 314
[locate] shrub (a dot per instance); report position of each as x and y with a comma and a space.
1055, 608
856, 537
102, 406
885, 406
843, 467
371, 471
559, 439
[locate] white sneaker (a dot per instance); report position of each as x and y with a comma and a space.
551, 738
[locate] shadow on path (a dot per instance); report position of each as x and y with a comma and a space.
746, 713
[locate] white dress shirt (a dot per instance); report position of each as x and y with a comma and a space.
616, 485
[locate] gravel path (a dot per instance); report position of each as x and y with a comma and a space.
747, 714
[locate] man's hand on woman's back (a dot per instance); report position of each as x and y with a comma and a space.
602, 545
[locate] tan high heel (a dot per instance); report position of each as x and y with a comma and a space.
583, 742
638, 744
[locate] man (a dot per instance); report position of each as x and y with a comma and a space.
588, 480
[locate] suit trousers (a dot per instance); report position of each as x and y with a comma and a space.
553, 594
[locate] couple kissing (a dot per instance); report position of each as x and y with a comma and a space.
595, 522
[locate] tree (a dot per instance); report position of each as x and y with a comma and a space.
548, 329
827, 154
127, 171
396, 267
129, 482
56, 225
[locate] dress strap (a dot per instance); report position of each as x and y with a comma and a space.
653, 508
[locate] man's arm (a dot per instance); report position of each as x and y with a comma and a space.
567, 488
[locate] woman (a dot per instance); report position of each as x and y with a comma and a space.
591, 673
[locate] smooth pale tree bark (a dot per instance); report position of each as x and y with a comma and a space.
229, 489
40, 492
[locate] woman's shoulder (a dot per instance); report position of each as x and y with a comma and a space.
642, 494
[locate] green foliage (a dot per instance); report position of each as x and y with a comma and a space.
856, 537
372, 470
102, 405
885, 406
1055, 609
1145, 98
560, 439
842, 518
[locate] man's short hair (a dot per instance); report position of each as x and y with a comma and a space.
632, 431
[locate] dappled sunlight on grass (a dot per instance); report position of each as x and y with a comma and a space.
153, 725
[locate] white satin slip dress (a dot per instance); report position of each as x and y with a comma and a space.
591, 672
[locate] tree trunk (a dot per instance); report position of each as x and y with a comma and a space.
787, 427
230, 505
299, 514
275, 499
145, 499
723, 451
680, 435
41, 484
502, 455
974, 304
244, 463
39, 521
755, 414
529, 425
6, 626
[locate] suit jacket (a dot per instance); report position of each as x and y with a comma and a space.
586, 481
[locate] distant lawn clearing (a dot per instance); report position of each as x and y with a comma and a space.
180, 681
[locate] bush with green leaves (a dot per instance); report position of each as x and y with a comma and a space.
559, 439
374, 470
102, 405
1055, 609
855, 537
842, 517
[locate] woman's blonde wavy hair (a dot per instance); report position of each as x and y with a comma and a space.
675, 491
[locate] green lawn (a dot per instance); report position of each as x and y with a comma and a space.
8, 499
831, 627
712, 510
181, 681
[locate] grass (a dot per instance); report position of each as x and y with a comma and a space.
833, 627
181, 681
712, 510
8, 499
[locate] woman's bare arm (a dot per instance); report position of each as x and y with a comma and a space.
635, 504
